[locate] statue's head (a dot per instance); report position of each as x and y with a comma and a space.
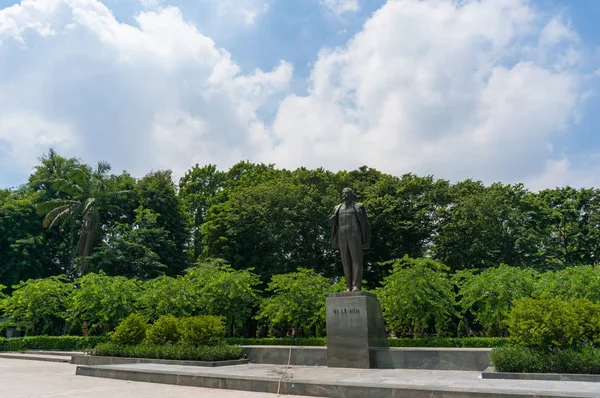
347, 194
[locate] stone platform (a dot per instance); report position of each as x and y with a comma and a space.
343, 382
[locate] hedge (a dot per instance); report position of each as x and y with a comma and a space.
179, 351
529, 360
57, 343
466, 342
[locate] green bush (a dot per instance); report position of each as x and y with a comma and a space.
470, 342
164, 330
202, 330
132, 330
554, 323
529, 360
57, 343
179, 351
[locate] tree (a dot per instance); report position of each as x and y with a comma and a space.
570, 283
220, 290
130, 250
100, 302
25, 251
196, 189
415, 295
166, 295
83, 195
40, 304
297, 302
489, 295
156, 192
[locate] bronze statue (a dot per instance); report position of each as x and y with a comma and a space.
351, 234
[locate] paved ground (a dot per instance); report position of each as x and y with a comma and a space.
457, 381
33, 379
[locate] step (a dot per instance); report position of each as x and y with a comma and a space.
320, 381
36, 357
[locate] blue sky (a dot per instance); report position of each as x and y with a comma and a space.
496, 90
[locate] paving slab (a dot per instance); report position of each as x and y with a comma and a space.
36, 357
30, 379
344, 382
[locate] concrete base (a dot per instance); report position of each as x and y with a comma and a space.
340, 382
490, 373
36, 357
476, 359
354, 327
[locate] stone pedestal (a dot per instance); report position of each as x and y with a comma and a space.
354, 325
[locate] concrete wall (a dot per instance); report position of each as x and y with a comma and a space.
476, 359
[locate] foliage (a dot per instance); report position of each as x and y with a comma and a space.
572, 282
554, 323
132, 330
178, 351
58, 343
489, 294
167, 296
297, 301
417, 292
202, 330
528, 360
84, 193
156, 192
40, 304
164, 330
102, 301
217, 289
129, 250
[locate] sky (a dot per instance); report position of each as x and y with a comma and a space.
490, 90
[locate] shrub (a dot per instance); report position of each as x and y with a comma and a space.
59, 343
202, 330
132, 330
179, 351
528, 360
554, 323
164, 330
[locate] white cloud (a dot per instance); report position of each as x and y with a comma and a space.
155, 95
340, 6
477, 89
435, 88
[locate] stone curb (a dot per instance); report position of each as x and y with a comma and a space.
490, 373
90, 360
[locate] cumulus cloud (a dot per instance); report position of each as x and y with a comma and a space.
470, 89
459, 90
157, 94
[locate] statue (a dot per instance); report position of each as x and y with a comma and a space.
351, 234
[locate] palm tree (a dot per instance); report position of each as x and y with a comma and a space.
84, 193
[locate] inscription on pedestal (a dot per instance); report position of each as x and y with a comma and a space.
354, 325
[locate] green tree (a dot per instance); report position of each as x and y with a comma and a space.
156, 192
297, 302
416, 295
130, 250
100, 302
25, 251
166, 295
486, 226
40, 304
489, 295
196, 189
220, 290
83, 195
570, 283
